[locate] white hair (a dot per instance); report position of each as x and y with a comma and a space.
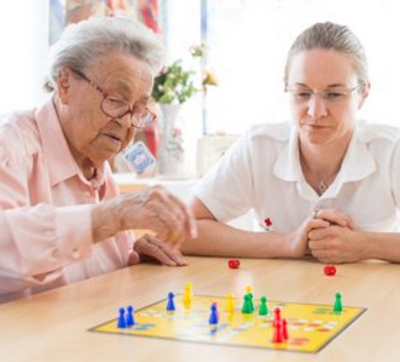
82, 43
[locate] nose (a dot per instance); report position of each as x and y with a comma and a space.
125, 120
316, 106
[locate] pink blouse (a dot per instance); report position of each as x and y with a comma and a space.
45, 209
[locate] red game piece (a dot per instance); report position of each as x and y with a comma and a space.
234, 263
277, 316
285, 333
278, 337
330, 270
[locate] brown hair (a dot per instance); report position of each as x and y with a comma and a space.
330, 36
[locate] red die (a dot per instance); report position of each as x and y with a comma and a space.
268, 222
330, 270
234, 264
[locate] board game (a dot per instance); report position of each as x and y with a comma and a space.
310, 327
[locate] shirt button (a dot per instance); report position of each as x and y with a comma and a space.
76, 254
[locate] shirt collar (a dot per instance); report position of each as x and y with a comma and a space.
287, 166
357, 164
59, 159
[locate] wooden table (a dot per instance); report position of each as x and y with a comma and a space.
53, 326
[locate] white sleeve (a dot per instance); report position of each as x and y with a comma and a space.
395, 173
227, 189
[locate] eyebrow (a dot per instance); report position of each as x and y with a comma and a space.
334, 85
125, 91
122, 88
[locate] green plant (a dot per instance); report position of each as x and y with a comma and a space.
174, 84
208, 77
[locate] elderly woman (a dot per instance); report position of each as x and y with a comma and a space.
61, 218
324, 183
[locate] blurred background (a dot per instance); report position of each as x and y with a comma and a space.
243, 46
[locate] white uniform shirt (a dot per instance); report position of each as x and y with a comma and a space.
262, 172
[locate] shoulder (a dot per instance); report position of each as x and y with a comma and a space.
269, 135
372, 133
274, 131
262, 143
19, 134
262, 138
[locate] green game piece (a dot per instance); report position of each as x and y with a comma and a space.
251, 302
263, 310
246, 309
338, 306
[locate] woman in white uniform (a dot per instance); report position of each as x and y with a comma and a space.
325, 183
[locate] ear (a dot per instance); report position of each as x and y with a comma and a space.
63, 85
364, 95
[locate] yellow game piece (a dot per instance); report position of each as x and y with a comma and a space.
230, 304
188, 295
249, 289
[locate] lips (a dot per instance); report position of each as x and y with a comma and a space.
313, 125
115, 137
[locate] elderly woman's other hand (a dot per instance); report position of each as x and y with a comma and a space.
149, 249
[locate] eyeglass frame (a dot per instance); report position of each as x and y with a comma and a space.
130, 110
322, 94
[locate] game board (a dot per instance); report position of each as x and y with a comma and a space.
310, 326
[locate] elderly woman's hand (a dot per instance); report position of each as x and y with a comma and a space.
158, 210
153, 208
149, 249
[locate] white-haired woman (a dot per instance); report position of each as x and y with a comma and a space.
61, 217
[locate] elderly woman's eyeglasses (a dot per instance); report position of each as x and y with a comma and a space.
301, 96
115, 107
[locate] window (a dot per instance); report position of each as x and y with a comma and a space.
24, 44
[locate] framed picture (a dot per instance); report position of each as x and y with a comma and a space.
63, 12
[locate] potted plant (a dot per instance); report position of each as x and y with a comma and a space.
173, 86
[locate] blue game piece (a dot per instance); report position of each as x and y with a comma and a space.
214, 315
170, 303
130, 320
121, 318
